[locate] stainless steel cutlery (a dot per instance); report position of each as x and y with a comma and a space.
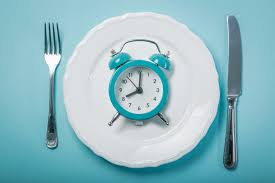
52, 55
234, 90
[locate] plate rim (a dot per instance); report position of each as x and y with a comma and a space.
141, 164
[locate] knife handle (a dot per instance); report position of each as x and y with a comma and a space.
230, 147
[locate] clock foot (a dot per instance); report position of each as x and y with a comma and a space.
139, 123
164, 119
114, 119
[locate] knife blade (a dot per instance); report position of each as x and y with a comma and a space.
234, 90
234, 56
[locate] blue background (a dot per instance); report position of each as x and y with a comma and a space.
24, 92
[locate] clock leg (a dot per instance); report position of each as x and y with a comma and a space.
163, 118
139, 123
114, 119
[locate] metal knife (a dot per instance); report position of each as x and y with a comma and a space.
234, 90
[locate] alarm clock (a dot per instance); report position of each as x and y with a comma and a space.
138, 89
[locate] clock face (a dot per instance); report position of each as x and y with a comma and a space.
138, 90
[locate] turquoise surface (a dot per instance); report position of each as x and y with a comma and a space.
161, 60
118, 60
24, 92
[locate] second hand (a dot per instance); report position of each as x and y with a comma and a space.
132, 82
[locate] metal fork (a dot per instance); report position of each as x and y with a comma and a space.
52, 55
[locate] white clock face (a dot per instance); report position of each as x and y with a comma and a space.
138, 90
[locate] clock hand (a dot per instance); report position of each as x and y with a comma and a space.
130, 94
138, 89
139, 81
132, 82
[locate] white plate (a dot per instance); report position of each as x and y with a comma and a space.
193, 101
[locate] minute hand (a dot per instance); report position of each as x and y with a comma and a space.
139, 80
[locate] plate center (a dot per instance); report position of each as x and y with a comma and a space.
154, 128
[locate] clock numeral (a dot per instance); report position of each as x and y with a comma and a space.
130, 74
155, 98
123, 98
154, 80
130, 104
120, 89
157, 90
148, 74
139, 108
148, 105
124, 81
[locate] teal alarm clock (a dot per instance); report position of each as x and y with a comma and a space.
138, 89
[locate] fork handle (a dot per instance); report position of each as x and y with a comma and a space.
51, 139
51, 133
230, 146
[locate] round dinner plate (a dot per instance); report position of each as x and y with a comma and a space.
193, 91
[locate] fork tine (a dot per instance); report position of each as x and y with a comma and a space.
54, 41
45, 41
58, 39
50, 38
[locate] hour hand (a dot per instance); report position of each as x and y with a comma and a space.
133, 93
